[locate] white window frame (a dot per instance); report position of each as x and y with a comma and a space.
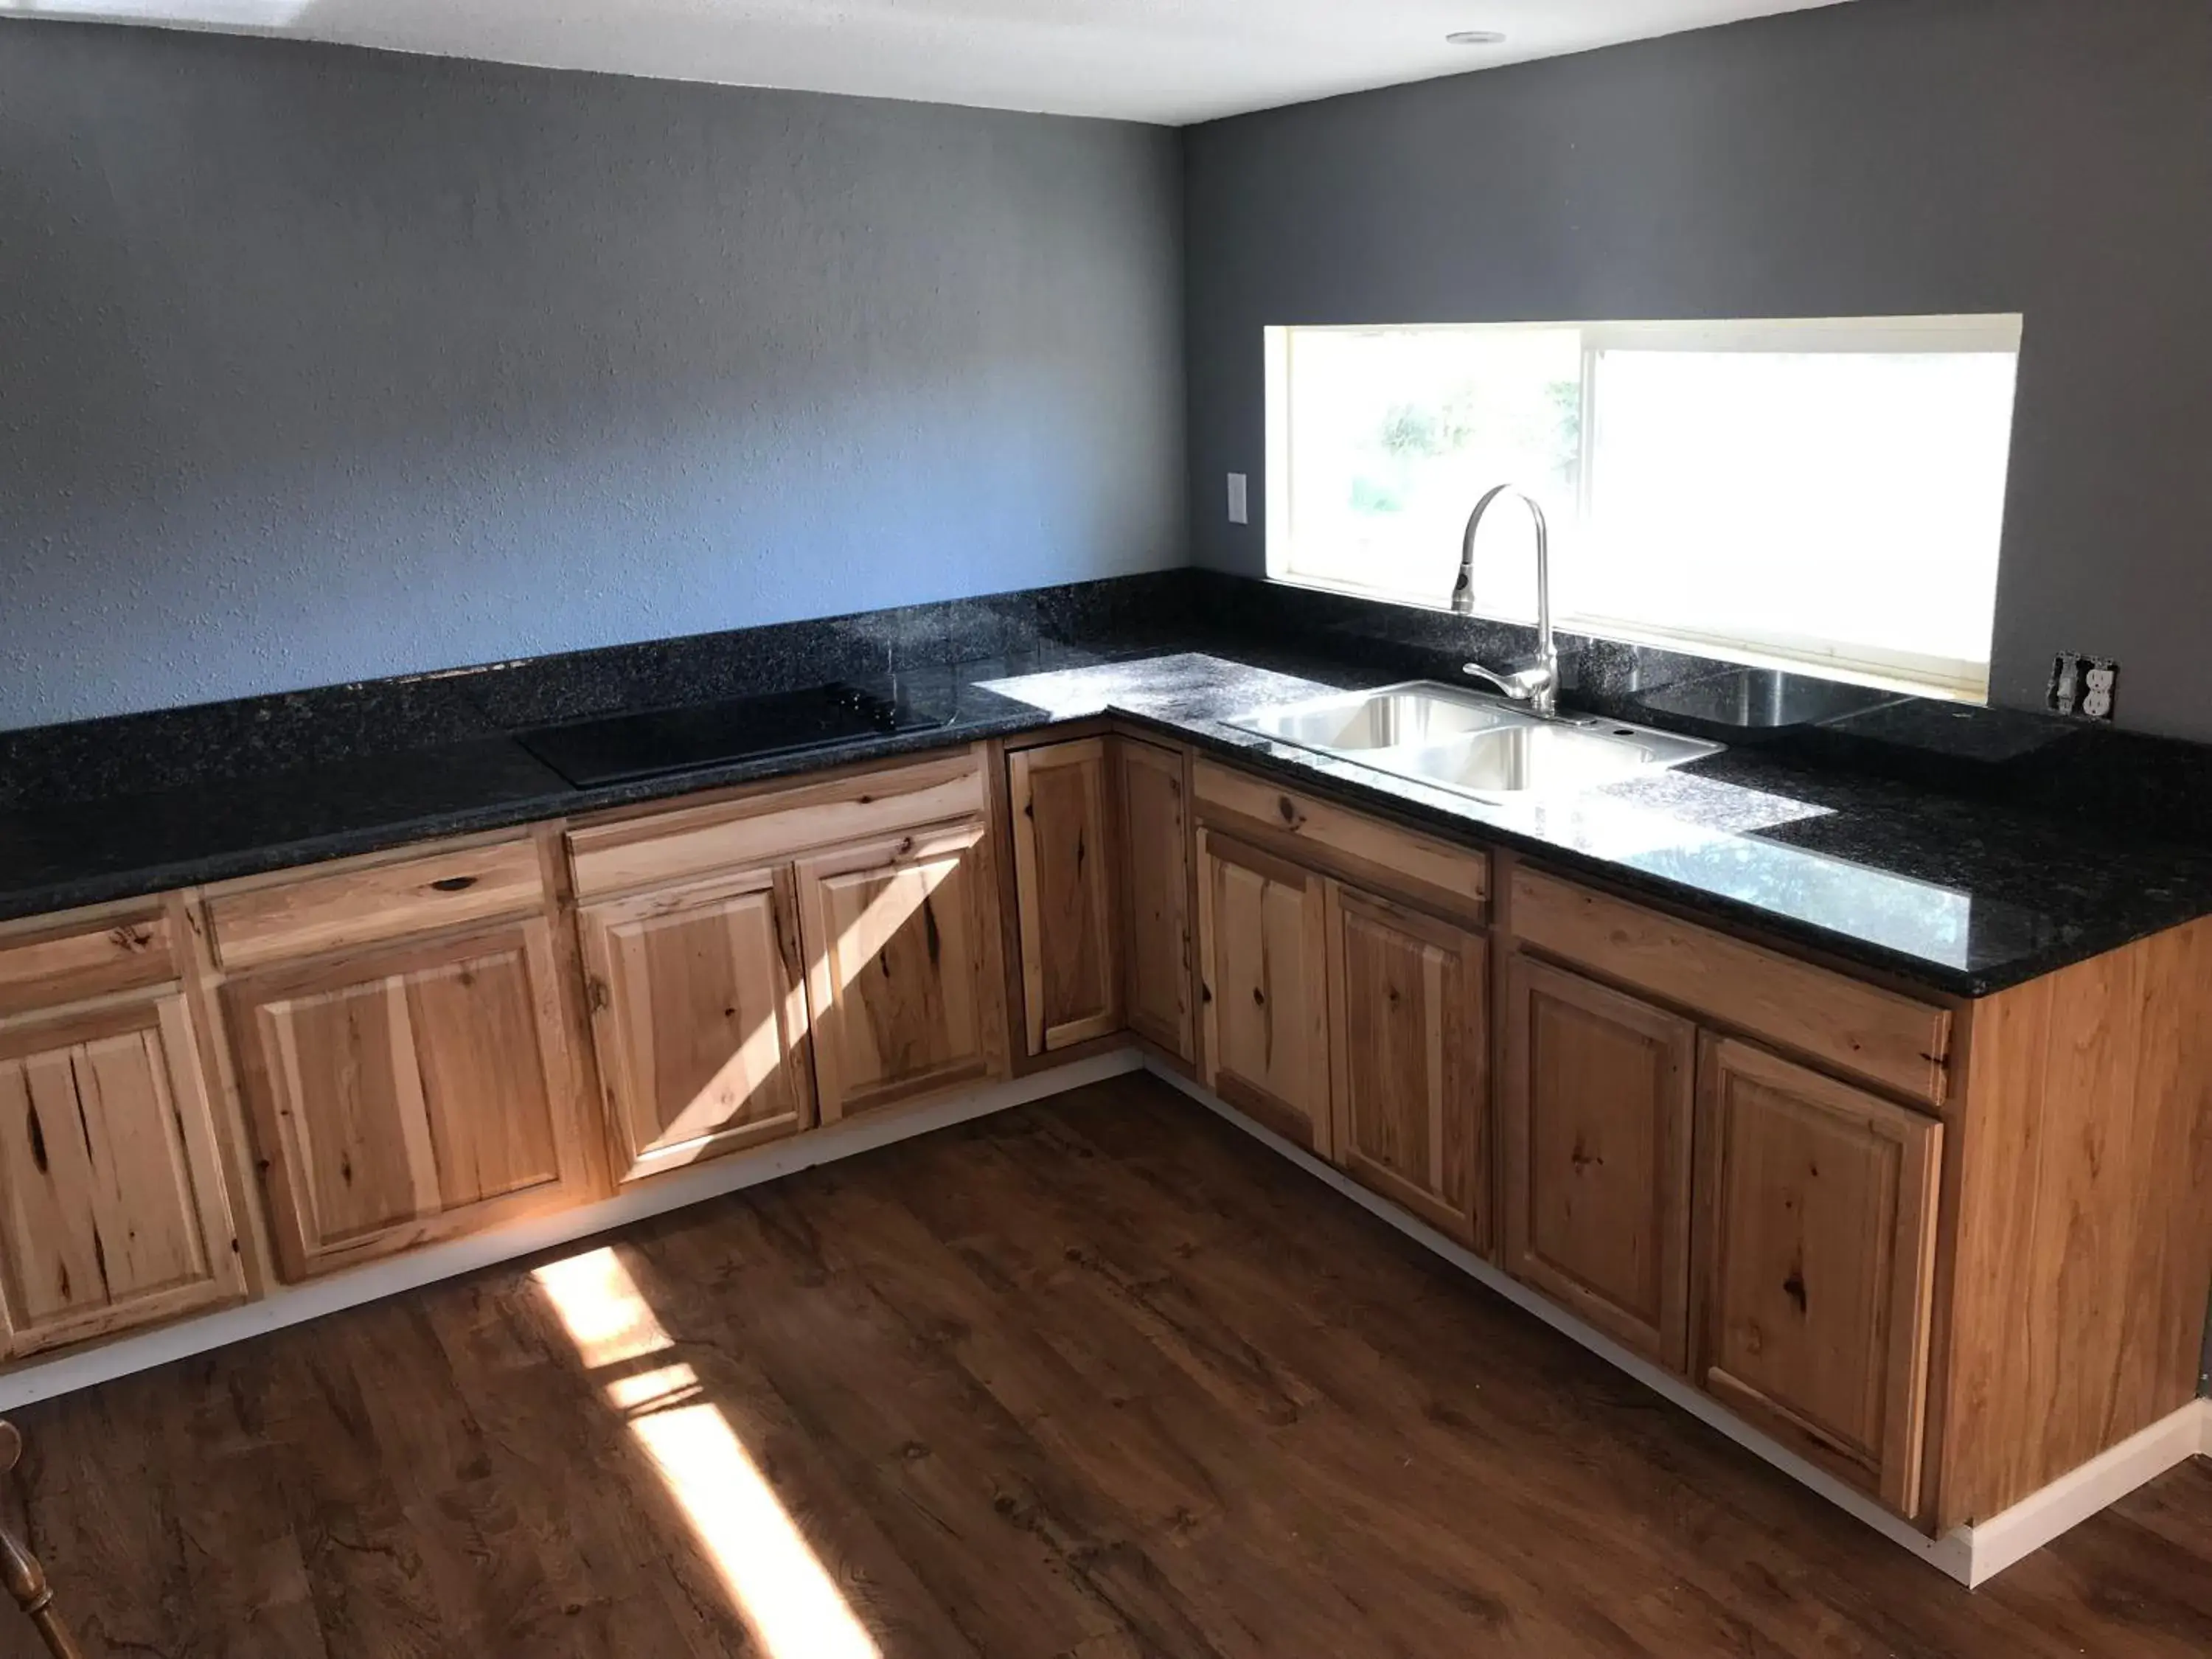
1999, 333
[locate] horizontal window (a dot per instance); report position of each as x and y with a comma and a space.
1824, 494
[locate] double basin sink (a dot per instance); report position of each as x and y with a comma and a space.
1475, 745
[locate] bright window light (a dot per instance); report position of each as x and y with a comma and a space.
1825, 494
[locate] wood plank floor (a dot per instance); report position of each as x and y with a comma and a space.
1097, 1378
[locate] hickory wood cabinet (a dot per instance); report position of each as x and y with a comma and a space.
114, 1213
697, 994
1761, 1227
1158, 929
787, 955
1595, 1115
405, 1051
1864, 1219
1069, 921
1879, 1224
1101, 905
1815, 1263
1264, 986
1345, 992
898, 976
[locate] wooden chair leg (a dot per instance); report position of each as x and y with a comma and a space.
26, 1579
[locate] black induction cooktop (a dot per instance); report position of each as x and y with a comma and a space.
623, 748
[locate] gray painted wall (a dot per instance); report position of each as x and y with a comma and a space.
1887, 156
319, 363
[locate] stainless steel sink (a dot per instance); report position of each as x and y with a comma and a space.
1396, 717
1475, 745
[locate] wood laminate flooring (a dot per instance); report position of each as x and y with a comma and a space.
1097, 1378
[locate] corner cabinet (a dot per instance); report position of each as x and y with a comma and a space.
1157, 932
1815, 1264
1069, 924
698, 1002
404, 1095
112, 1196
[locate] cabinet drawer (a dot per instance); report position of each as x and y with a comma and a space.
354, 906
773, 826
1870, 1033
1368, 849
49, 968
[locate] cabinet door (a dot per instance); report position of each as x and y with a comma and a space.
894, 967
1409, 1041
1598, 1104
1262, 944
1155, 895
1063, 882
699, 1015
1816, 1261
405, 1097
111, 1200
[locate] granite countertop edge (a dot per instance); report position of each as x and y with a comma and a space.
1470, 823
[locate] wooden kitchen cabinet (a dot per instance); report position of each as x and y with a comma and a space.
1069, 922
894, 930
698, 1004
111, 1200
1815, 1264
1409, 1043
1595, 1119
404, 1095
1263, 948
1155, 897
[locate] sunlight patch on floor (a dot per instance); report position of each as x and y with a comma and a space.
778, 1584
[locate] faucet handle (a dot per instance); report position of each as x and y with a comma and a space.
1533, 683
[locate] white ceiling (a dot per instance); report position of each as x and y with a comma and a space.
1170, 61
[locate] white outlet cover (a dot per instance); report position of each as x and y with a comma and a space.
1240, 499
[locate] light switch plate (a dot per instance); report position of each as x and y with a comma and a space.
1240, 500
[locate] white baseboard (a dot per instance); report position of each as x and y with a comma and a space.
294, 1304
2040, 1516
1972, 1555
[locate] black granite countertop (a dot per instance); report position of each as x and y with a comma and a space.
1954, 894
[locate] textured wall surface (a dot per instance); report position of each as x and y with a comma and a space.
317, 363
1888, 156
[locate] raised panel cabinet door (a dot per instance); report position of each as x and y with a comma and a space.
1070, 925
698, 1004
112, 1202
1409, 1041
894, 967
1155, 905
1262, 942
1815, 1264
410, 1095
1597, 1109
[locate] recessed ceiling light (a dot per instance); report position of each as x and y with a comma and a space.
1475, 37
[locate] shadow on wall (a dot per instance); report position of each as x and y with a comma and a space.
323, 363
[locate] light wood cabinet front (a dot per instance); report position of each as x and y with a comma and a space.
1264, 950
403, 1097
1156, 895
1070, 925
1597, 1109
1408, 999
1815, 1257
112, 1202
699, 1016
894, 932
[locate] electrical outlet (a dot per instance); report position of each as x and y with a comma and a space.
2100, 683
2084, 685
1240, 501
